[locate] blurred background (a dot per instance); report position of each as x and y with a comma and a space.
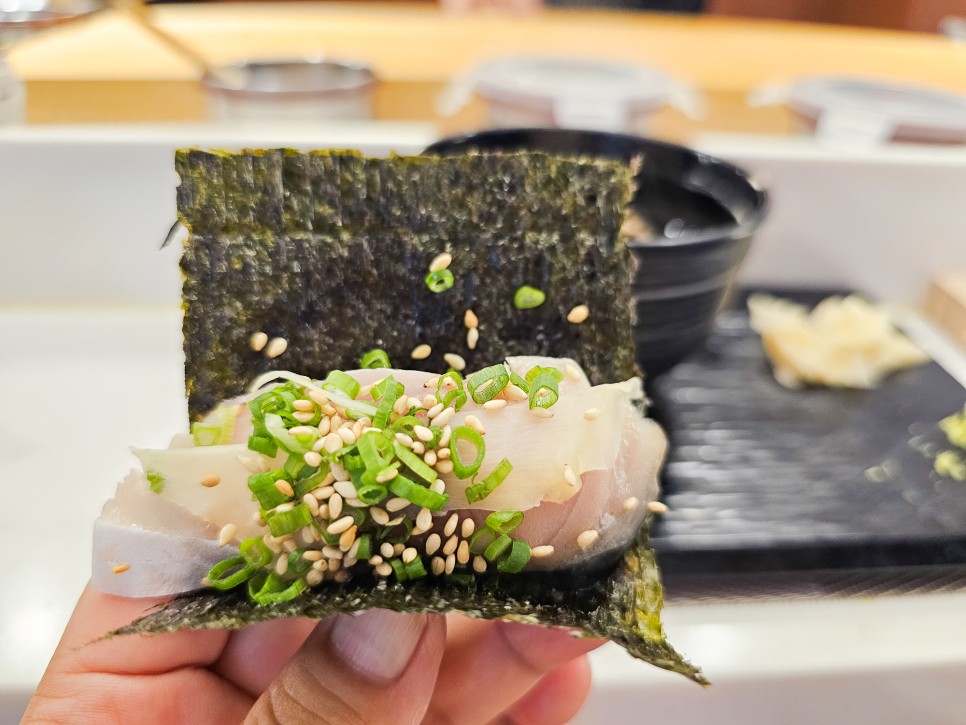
816, 145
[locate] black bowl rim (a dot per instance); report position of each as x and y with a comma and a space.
742, 229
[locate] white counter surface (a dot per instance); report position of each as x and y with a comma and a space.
85, 384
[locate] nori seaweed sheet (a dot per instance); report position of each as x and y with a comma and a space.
329, 250
624, 608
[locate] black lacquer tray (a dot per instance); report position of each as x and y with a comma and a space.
764, 479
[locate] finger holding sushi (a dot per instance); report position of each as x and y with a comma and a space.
374, 667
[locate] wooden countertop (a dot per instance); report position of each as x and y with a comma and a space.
107, 68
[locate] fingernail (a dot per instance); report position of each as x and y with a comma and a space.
378, 643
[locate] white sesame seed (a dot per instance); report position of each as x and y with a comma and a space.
591, 414
346, 489
472, 338
336, 566
495, 404
308, 533
275, 347
312, 503
444, 418
419, 448
313, 578
569, 475
470, 320
415, 402
573, 373
335, 505
349, 561
324, 426
303, 417
303, 405
396, 504
357, 503
538, 552
376, 560
303, 430
401, 406
433, 542
365, 390
346, 434
397, 549
444, 466
479, 564
386, 474
329, 409
322, 565
424, 519
348, 537
515, 392
463, 552
284, 507
323, 492
430, 458
338, 472
656, 507
421, 352
386, 550
431, 382
284, 487
473, 422
539, 412
435, 410
409, 554
587, 538
445, 436
227, 533
450, 564
333, 442
468, 527
443, 453
258, 341
281, 565
396, 521
423, 433
212, 479
578, 314
323, 511
404, 440
313, 555
441, 262
455, 361
312, 459
340, 525
438, 486
451, 544
353, 552
289, 545
383, 569
318, 396
631, 503
438, 565
332, 552
257, 518
379, 515
428, 401
451, 523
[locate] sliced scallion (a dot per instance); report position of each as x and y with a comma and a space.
276, 590
265, 445
282, 523
497, 547
339, 380
464, 434
527, 297
484, 385
388, 395
455, 395
262, 486
372, 494
229, 573
155, 481
415, 569
419, 495
414, 463
255, 551
375, 359
439, 280
543, 390
364, 550
479, 491
516, 559
399, 569
504, 522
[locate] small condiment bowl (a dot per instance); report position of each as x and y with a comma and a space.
297, 89
698, 214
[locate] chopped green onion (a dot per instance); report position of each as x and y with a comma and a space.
527, 297
375, 450
364, 550
379, 389
537, 369
399, 568
415, 569
465, 434
479, 491
414, 463
519, 382
218, 429
504, 522
312, 481
406, 424
339, 380
482, 538
276, 590
294, 465
263, 444
460, 579
404, 530
298, 564
440, 280
231, 572
372, 494
358, 515
487, 383
262, 486
543, 390
518, 557
457, 395
419, 495
155, 481
389, 394
293, 444
281, 523
497, 547
255, 551
375, 359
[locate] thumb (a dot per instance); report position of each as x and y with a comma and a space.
374, 667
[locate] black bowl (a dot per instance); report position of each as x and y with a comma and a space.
702, 211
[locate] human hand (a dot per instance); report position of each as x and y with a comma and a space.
517, 7
378, 667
